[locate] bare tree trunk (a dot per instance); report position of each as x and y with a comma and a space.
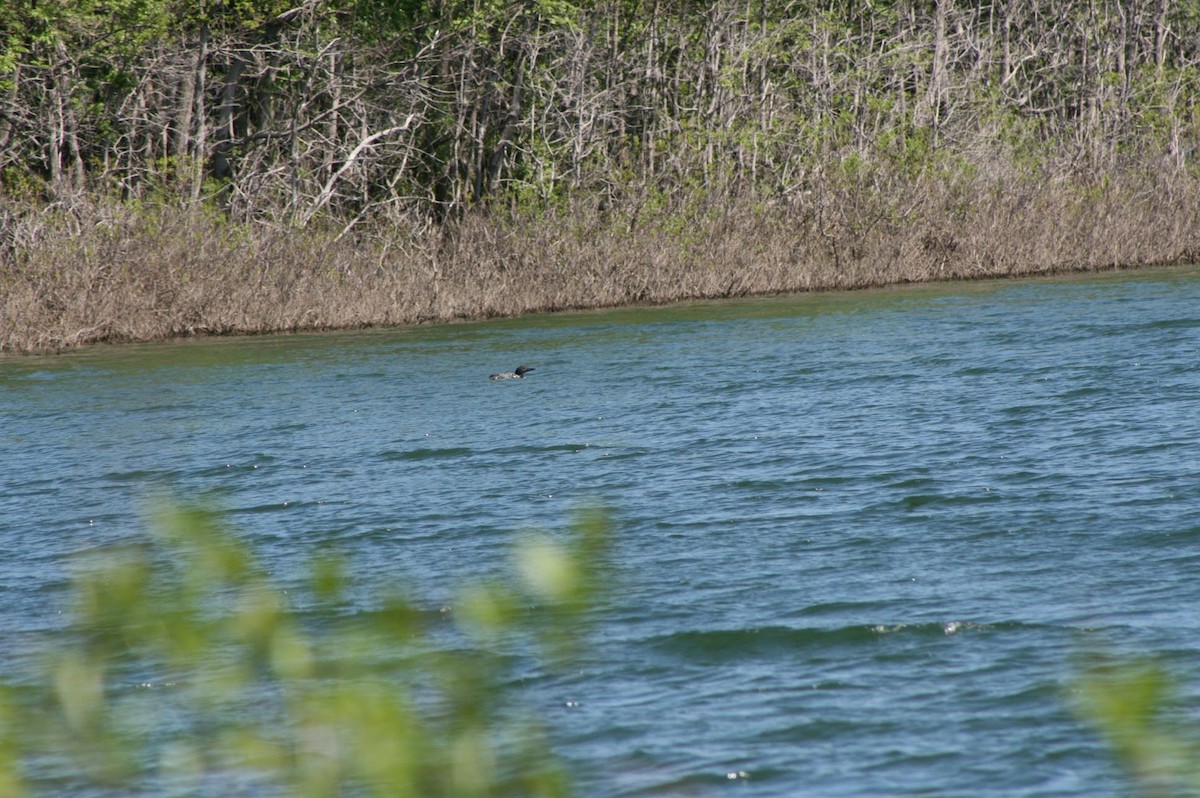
185, 107
221, 168
201, 139
8, 108
935, 97
512, 122
54, 110
1161, 31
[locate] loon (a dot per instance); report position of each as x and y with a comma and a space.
519, 374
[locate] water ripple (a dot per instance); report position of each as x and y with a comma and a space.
856, 564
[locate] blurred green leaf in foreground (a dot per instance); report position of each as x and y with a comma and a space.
183, 670
1131, 703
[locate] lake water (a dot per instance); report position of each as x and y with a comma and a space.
859, 537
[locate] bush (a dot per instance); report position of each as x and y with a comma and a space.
184, 668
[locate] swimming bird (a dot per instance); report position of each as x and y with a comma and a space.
519, 374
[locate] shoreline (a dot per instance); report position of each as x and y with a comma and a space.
102, 271
1177, 264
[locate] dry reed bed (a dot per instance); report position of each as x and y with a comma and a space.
105, 272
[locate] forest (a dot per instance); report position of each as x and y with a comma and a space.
172, 168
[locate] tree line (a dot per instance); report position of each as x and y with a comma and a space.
355, 111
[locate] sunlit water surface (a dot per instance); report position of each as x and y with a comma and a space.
859, 537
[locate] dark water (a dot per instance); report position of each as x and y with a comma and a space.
859, 537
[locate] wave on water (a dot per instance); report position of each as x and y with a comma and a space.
425, 454
139, 476
274, 507
253, 463
554, 447
918, 501
1186, 323
464, 451
771, 641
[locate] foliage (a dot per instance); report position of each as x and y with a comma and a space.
419, 111
185, 667
1129, 703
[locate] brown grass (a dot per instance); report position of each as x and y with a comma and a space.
100, 271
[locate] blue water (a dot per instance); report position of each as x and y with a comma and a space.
859, 537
